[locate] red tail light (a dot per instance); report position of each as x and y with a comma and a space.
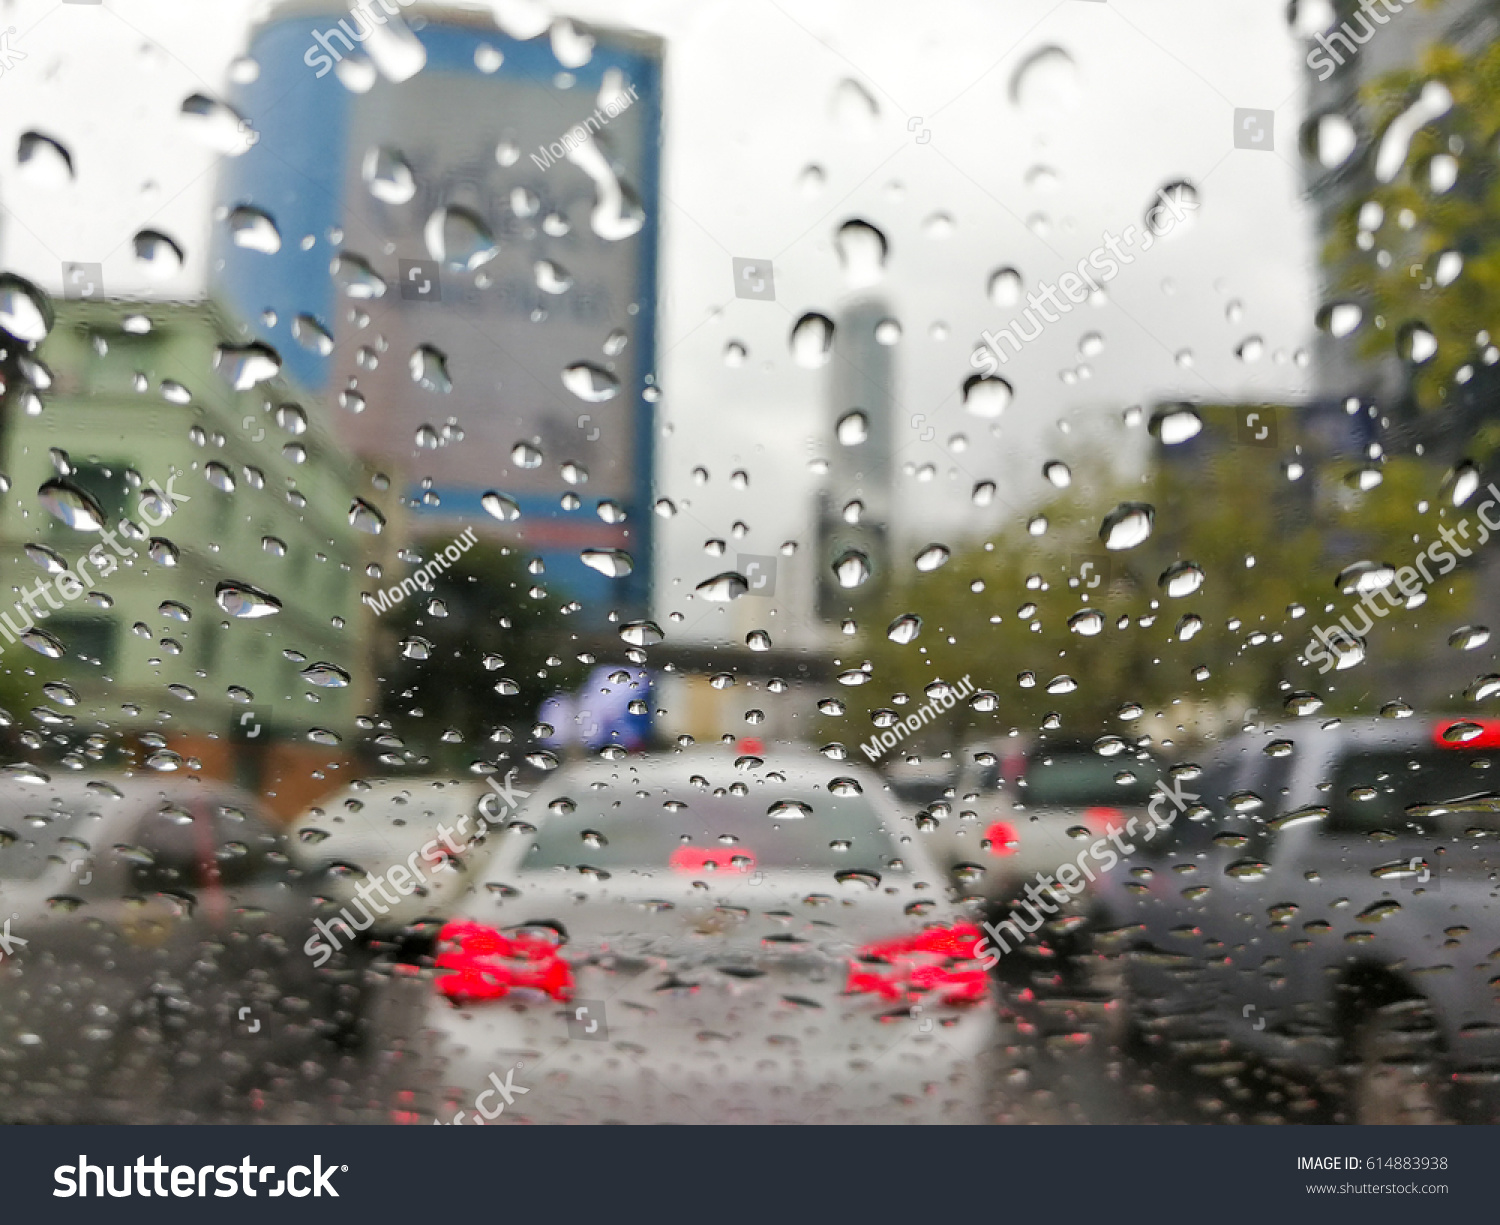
711, 859
1101, 820
939, 959
476, 963
1002, 838
1470, 734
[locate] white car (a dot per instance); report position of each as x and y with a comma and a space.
371, 827
680, 938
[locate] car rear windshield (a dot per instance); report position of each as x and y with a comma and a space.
831, 832
1416, 790
1081, 780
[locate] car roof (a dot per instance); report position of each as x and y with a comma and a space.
1374, 733
792, 766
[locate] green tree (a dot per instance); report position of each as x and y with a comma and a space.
1426, 222
475, 657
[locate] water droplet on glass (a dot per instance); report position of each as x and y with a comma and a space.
312, 335
429, 369
1303, 703
1469, 637
1004, 287
1181, 579
933, 556
217, 126
1175, 425
25, 311
986, 396
855, 109
325, 675
590, 384
387, 176
365, 518
552, 278
1087, 621
1330, 139
501, 506
1058, 473
291, 418
1365, 576
851, 568
353, 274
853, 428
1127, 526
459, 239
42, 162
219, 476
243, 366
612, 563
904, 628
1416, 343
1045, 84
1340, 319
862, 251
254, 230
641, 633
812, 340
723, 587
163, 552
245, 601
1173, 209
71, 505
158, 256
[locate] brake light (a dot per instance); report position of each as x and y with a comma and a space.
1101, 820
1461, 734
710, 859
940, 959
477, 962
1002, 838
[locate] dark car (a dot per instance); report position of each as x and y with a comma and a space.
1331, 906
153, 952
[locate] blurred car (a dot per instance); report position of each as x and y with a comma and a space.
152, 959
673, 938
916, 779
1333, 908
1020, 813
373, 826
